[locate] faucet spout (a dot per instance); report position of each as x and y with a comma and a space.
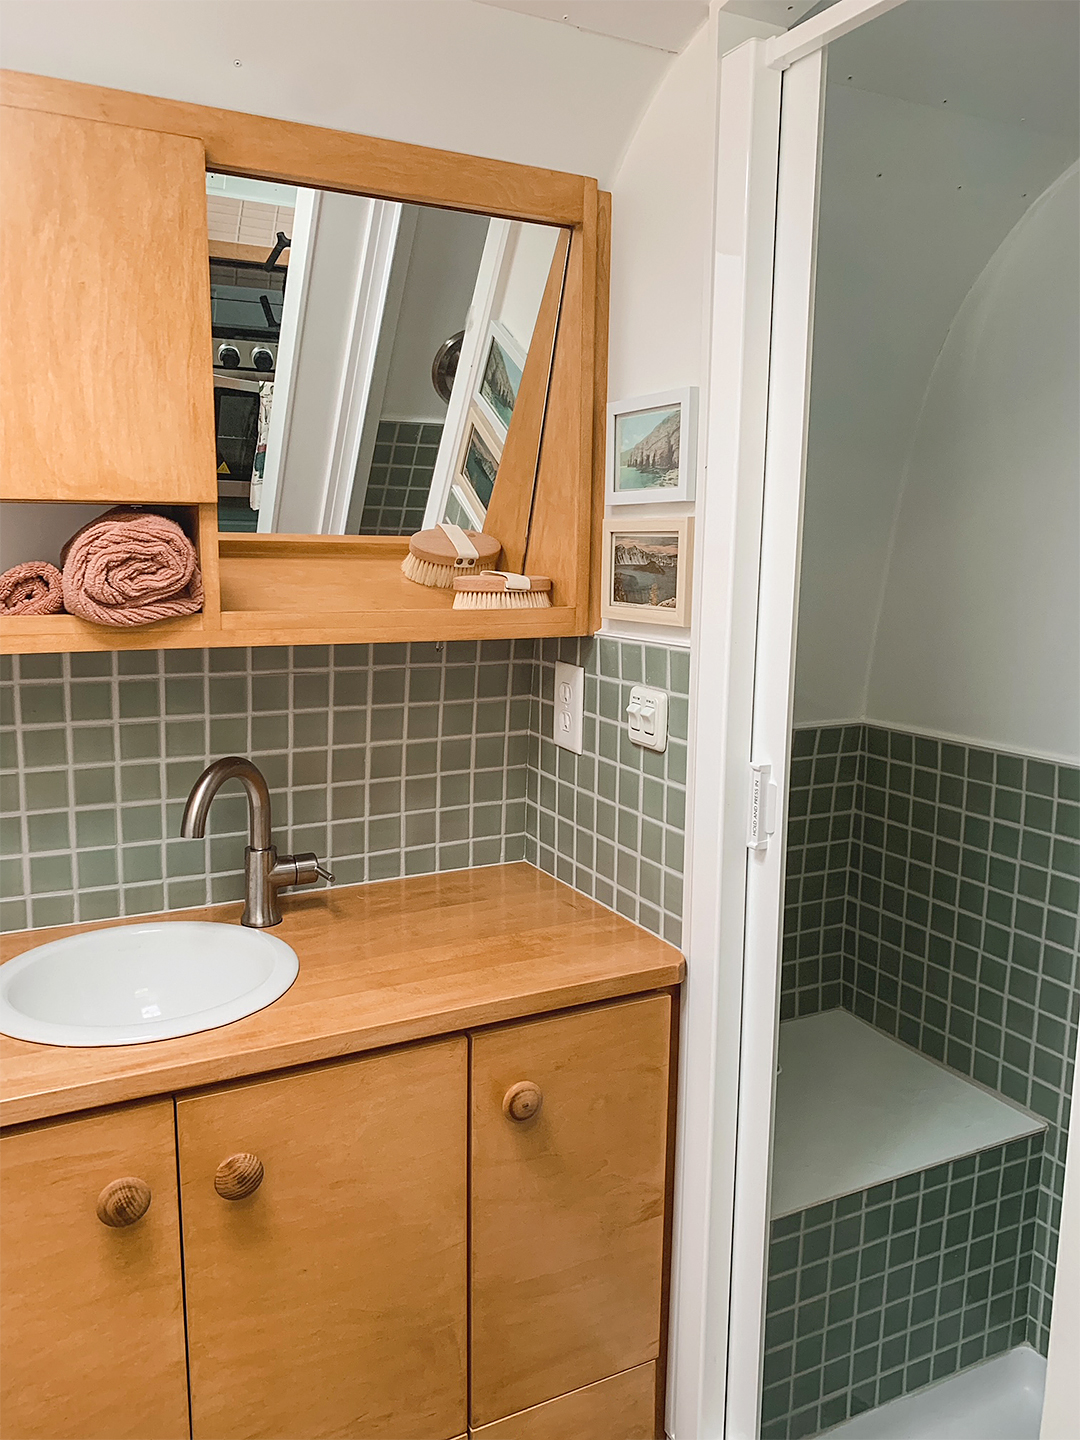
265, 872
232, 767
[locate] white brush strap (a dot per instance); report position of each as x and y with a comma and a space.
514, 582
467, 553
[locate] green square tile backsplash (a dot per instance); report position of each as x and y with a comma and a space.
402, 465
387, 760
934, 889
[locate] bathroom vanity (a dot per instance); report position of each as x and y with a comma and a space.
424, 1194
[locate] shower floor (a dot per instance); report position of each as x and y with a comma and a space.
999, 1400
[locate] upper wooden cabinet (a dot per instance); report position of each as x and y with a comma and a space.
104, 313
93, 1317
107, 353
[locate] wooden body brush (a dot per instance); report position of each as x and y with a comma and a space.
436, 557
499, 590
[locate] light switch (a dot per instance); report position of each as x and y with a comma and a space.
569, 705
646, 717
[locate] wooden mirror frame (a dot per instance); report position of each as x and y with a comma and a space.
288, 589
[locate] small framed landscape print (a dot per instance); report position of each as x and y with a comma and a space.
652, 448
646, 570
500, 378
478, 466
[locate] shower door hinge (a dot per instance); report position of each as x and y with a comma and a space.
762, 821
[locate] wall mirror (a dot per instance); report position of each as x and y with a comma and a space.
378, 366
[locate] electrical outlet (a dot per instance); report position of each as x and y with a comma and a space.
569, 705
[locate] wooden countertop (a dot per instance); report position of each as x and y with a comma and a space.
380, 964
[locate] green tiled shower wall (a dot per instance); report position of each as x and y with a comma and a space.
947, 877
881, 1292
388, 760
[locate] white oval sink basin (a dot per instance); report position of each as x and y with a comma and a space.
133, 983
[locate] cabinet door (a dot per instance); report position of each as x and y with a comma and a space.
104, 313
91, 1314
623, 1407
568, 1205
331, 1300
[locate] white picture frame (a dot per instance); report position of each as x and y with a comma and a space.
669, 422
496, 403
665, 550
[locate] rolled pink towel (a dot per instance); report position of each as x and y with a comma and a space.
33, 588
131, 567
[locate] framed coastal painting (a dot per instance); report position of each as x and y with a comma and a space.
500, 378
477, 465
646, 568
652, 448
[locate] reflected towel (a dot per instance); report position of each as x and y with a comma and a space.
131, 567
33, 588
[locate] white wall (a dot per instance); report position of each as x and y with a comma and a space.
442, 265
447, 73
915, 200
661, 248
980, 625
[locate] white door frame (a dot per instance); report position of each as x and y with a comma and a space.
748, 532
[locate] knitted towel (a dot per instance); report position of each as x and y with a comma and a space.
32, 588
131, 567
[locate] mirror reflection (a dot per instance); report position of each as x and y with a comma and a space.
369, 358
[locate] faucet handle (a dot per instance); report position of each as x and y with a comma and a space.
305, 867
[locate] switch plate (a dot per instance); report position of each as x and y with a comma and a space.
646, 717
569, 705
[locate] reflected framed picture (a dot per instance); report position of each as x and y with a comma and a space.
500, 378
646, 570
652, 448
478, 464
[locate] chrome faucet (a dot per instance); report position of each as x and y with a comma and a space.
265, 872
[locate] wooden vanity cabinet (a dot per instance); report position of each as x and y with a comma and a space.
333, 1286
92, 1316
568, 1203
330, 1300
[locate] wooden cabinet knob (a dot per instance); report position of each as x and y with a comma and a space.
239, 1176
123, 1201
523, 1100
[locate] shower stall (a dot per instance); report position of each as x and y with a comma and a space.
908, 992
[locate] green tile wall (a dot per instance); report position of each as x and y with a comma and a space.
960, 932
886, 1290
612, 821
402, 465
388, 760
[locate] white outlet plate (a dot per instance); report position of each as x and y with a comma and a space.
569, 705
646, 717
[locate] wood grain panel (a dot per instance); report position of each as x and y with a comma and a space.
310, 155
560, 535
568, 1207
104, 313
92, 1328
511, 506
600, 403
623, 1407
331, 1302
379, 964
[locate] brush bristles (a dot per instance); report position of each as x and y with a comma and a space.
439, 577
501, 599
